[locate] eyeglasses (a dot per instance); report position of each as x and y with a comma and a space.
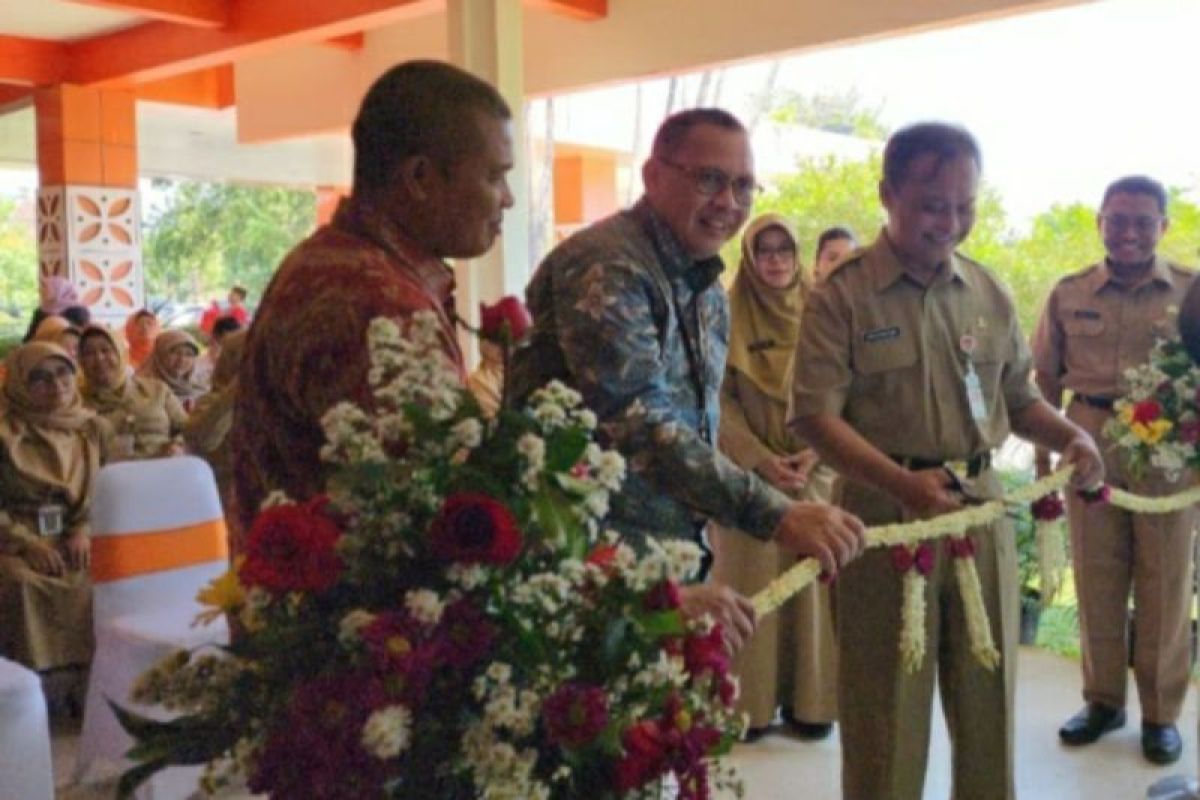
1120, 222
786, 251
57, 374
711, 181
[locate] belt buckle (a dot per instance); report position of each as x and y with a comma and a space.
960, 468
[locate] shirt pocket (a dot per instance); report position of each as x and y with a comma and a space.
1087, 353
881, 356
989, 360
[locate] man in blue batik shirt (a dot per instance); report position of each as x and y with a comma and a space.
630, 312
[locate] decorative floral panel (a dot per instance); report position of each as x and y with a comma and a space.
97, 232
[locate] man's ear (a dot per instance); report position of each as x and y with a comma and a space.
413, 175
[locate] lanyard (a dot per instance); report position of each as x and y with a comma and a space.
697, 356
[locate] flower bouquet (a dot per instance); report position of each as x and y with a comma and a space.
1157, 423
450, 621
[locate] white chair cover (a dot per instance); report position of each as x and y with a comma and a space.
26, 772
141, 619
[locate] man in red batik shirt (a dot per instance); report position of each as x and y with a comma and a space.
433, 147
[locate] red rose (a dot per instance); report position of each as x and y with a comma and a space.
645, 756
1147, 411
663, 597
506, 321
291, 549
575, 714
960, 547
474, 528
920, 558
707, 653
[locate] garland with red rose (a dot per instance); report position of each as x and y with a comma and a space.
451, 620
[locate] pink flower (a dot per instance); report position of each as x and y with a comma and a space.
920, 558
707, 653
1189, 432
1048, 507
315, 749
464, 635
960, 547
575, 714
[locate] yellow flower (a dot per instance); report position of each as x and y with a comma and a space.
1153, 432
223, 595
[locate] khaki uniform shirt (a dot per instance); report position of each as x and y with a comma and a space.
1093, 328
891, 356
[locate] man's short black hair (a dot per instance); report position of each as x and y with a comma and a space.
240, 291
224, 325
908, 144
832, 235
419, 107
1138, 184
674, 129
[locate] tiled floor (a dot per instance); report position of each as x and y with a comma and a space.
781, 768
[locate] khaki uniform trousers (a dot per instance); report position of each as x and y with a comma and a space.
1113, 551
792, 659
884, 710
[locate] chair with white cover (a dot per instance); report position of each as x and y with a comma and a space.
158, 537
26, 772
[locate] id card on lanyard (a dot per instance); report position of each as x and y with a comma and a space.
50, 519
975, 399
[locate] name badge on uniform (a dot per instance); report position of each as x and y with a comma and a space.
974, 386
50, 519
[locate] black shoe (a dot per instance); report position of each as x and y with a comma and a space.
752, 735
1161, 744
811, 731
1091, 723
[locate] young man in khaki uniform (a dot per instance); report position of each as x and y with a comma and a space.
912, 359
1097, 323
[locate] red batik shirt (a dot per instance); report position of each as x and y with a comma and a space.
307, 348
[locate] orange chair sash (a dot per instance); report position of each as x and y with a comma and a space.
115, 558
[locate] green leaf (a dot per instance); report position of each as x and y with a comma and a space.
136, 776
612, 649
564, 448
661, 623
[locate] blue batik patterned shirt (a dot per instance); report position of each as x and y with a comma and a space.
641, 330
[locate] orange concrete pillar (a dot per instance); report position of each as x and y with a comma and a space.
88, 211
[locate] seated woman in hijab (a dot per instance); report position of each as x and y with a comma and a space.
207, 428
145, 416
174, 363
50, 452
58, 330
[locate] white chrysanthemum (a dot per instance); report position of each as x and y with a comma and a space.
468, 576
351, 626
499, 672
586, 418
468, 433
425, 606
533, 449
388, 732
596, 504
276, 497
610, 469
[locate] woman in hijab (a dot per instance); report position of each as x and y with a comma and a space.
141, 329
790, 663
58, 330
145, 416
207, 429
50, 453
174, 363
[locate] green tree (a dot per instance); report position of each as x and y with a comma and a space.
209, 236
836, 112
18, 267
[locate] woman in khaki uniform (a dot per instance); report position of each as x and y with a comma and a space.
50, 453
791, 661
174, 363
145, 415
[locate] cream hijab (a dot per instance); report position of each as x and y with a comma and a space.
106, 398
43, 445
765, 321
185, 387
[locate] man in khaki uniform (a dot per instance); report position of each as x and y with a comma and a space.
1097, 323
913, 359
